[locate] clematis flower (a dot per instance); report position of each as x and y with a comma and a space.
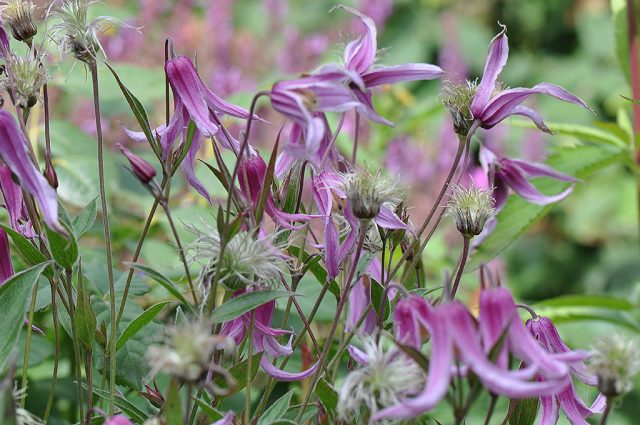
265, 340
14, 203
13, 150
515, 174
568, 400
6, 266
491, 105
226, 419
118, 420
455, 334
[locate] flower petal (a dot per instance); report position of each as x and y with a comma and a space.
6, 267
538, 169
360, 54
283, 375
188, 169
387, 219
398, 73
496, 60
522, 187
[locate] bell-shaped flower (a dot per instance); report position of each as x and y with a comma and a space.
515, 174
13, 151
6, 266
491, 104
544, 331
265, 340
14, 203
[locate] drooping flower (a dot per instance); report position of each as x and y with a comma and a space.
491, 104
14, 203
13, 150
265, 340
140, 168
454, 334
383, 378
515, 174
568, 400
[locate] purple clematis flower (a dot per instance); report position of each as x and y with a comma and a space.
568, 400
13, 150
455, 334
490, 106
6, 266
327, 189
515, 174
226, 419
265, 340
118, 420
14, 203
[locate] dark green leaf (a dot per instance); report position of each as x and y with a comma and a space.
128, 408
85, 316
64, 248
15, 294
139, 322
29, 252
211, 413
524, 411
276, 410
236, 307
327, 395
165, 282
85, 219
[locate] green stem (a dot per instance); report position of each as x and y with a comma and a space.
27, 348
56, 355
607, 410
492, 408
76, 343
247, 398
107, 240
463, 261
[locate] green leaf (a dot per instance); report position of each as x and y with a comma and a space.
173, 405
524, 411
85, 316
327, 395
236, 307
239, 374
165, 282
128, 408
15, 294
64, 249
619, 15
600, 132
211, 413
311, 264
416, 355
29, 252
85, 219
518, 215
376, 292
292, 414
277, 410
140, 322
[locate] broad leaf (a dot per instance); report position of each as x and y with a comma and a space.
140, 322
64, 248
524, 411
236, 307
327, 395
29, 252
85, 219
277, 410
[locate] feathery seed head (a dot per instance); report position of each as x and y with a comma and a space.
18, 14
457, 98
615, 361
367, 192
470, 208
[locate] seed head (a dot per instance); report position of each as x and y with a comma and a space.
367, 192
24, 78
186, 352
470, 208
18, 14
615, 361
457, 98
246, 260
22, 416
387, 378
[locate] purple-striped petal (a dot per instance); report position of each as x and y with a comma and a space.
533, 116
360, 54
537, 169
358, 355
188, 165
13, 150
283, 375
398, 73
513, 177
550, 411
496, 60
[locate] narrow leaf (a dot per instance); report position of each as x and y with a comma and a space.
165, 282
140, 322
236, 307
327, 395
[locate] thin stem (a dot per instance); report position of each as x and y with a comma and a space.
463, 261
107, 239
56, 355
356, 136
165, 206
76, 343
334, 326
27, 348
247, 399
492, 408
605, 415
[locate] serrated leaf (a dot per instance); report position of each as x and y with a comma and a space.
140, 322
29, 252
236, 307
165, 282
64, 248
524, 411
327, 395
15, 294
277, 410
85, 219
518, 215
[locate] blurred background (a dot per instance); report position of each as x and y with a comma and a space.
588, 244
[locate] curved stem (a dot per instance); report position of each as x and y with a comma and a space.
356, 136
463, 261
107, 240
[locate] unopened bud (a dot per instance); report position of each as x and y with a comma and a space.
615, 361
457, 99
50, 174
470, 208
367, 192
141, 168
18, 15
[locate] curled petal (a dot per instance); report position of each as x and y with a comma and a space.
496, 60
283, 375
366, 108
387, 219
188, 164
360, 54
533, 115
398, 73
537, 169
358, 355
522, 187
6, 266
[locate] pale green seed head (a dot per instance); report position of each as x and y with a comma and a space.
25, 76
615, 361
470, 208
457, 98
367, 192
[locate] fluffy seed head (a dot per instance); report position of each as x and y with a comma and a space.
23, 417
457, 98
18, 14
470, 208
24, 78
367, 192
246, 260
388, 377
615, 361
186, 352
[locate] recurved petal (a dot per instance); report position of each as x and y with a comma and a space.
360, 54
283, 375
397, 73
496, 59
387, 219
533, 115
188, 167
6, 266
550, 411
514, 178
537, 169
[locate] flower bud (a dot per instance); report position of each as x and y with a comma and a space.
141, 168
470, 208
50, 174
367, 192
457, 99
615, 361
18, 15
255, 169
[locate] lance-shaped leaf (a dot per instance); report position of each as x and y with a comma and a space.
236, 307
